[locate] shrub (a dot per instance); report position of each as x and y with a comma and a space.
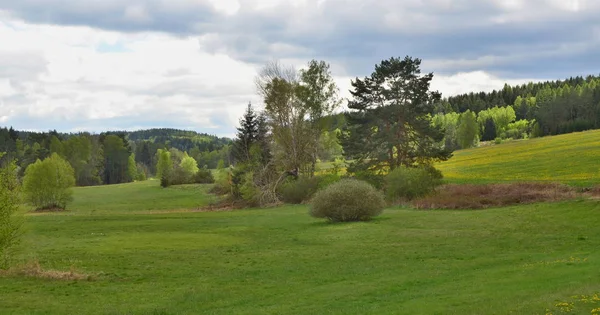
327, 179
222, 182
47, 184
204, 176
10, 224
376, 180
347, 200
472, 196
299, 190
180, 176
406, 183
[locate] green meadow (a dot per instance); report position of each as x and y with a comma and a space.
149, 250
570, 158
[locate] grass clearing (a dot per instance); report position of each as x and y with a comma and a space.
143, 197
570, 158
521, 259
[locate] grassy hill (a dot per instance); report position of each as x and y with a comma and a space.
571, 158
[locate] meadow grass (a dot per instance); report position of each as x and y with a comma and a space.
570, 158
281, 261
145, 196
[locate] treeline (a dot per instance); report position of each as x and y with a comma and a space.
112, 157
546, 108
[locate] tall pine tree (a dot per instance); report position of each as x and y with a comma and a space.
390, 123
247, 135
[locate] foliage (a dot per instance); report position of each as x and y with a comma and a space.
295, 105
164, 165
467, 131
47, 184
116, 160
347, 200
204, 176
10, 223
390, 124
299, 190
189, 165
407, 183
142, 172
132, 167
489, 130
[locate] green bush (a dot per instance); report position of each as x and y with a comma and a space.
406, 183
347, 200
374, 179
47, 184
299, 190
327, 179
204, 176
10, 222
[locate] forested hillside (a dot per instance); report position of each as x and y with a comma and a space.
521, 111
112, 157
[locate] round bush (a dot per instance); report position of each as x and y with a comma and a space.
347, 200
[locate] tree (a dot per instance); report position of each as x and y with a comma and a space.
132, 168
189, 165
116, 160
56, 146
468, 130
164, 164
295, 104
319, 94
390, 124
10, 223
246, 136
489, 130
47, 184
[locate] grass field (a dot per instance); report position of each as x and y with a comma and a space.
149, 252
571, 158
281, 261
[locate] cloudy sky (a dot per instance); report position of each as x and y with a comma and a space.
100, 65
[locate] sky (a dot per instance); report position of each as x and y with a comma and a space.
96, 65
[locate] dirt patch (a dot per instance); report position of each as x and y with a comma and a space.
470, 196
33, 269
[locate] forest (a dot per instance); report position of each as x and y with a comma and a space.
112, 157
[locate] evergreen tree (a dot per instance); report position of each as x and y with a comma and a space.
391, 123
489, 130
247, 135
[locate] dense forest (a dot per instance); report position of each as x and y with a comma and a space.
112, 157
520, 111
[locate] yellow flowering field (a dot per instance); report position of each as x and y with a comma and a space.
571, 158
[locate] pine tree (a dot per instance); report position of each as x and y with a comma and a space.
247, 135
391, 123
489, 130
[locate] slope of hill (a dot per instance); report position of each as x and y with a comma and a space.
571, 158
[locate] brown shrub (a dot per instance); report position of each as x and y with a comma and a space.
470, 196
33, 269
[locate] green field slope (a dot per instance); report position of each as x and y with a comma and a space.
572, 158
520, 260
146, 196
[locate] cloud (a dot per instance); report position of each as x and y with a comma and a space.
105, 64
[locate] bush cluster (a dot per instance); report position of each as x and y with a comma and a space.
302, 189
405, 183
347, 200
